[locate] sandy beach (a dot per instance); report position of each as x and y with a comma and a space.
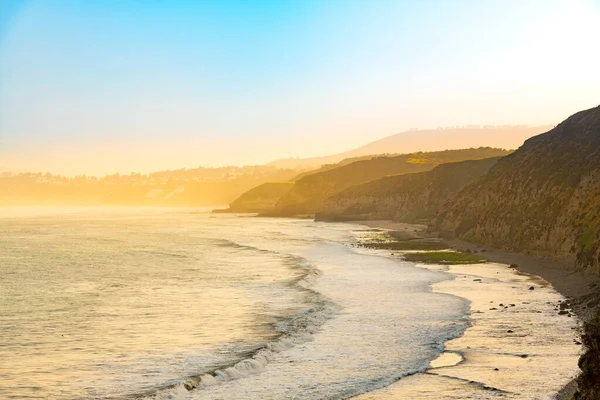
579, 289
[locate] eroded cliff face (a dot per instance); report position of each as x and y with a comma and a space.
409, 198
310, 192
544, 198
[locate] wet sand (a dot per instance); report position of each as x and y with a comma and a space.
576, 285
582, 291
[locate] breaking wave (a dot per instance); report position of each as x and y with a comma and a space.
291, 331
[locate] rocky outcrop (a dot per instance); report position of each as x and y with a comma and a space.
407, 198
542, 199
259, 199
309, 192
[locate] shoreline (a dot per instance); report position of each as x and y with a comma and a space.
581, 290
579, 287
359, 348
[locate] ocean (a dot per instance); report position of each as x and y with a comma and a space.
182, 304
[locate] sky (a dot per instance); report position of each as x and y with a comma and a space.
101, 86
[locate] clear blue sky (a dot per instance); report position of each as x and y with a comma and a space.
156, 84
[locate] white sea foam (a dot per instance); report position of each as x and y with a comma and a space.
371, 342
294, 330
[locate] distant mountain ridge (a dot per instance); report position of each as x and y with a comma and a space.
544, 198
505, 137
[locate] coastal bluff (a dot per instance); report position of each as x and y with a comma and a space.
309, 193
543, 199
259, 199
408, 198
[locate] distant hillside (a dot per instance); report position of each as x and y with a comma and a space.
544, 198
184, 187
345, 161
409, 197
308, 193
504, 137
259, 199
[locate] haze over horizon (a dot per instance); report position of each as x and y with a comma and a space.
103, 86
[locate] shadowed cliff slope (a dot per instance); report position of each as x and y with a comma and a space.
544, 198
308, 194
409, 197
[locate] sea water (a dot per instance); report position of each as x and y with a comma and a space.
180, 304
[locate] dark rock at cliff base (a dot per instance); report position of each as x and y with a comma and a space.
593, 303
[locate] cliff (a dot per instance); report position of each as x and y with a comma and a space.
542, 199
408, 198
309, 193
259, 199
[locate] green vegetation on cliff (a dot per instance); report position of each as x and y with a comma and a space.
407, 198
444, 257
409, 245
309, 192
544, 198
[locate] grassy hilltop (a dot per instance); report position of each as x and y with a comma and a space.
310, 192
408, 198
